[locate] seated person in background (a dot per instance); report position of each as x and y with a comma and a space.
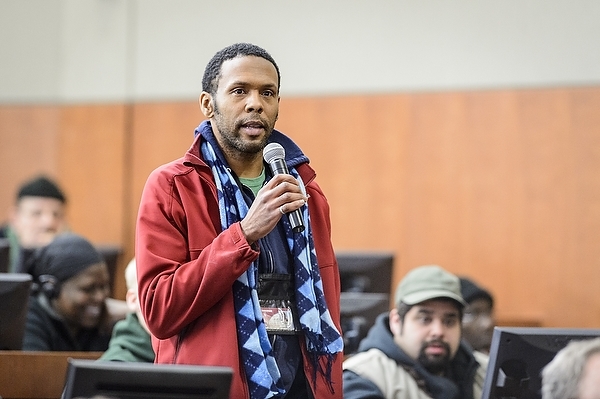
67, 308
478, 316
130, 340
415, 351
574, 372
37, 216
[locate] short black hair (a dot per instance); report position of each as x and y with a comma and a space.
213, 68
41, 186
470, 291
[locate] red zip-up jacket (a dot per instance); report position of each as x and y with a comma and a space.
187, 265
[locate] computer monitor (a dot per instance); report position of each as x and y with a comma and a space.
358, 313
131, 380
4, 255
14, 297
518, 355
365, 271
366, 282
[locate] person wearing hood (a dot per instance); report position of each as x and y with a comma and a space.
415, 351
67, 308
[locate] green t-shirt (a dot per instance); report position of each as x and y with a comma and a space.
254, 183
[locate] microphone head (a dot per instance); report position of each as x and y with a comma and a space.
273, 151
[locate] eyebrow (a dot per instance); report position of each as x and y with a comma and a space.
430, 312
245, 83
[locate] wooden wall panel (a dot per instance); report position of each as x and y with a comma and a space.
160, 133
28, 146
500, 185
354, 144
91, 162
93, 165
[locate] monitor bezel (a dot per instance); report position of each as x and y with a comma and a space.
125, 380
15, 289
377, 265
560, 337
4, 255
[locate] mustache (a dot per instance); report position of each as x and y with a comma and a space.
435, 342
252, 120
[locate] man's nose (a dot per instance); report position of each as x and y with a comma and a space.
254, 102
437, 328
49, 220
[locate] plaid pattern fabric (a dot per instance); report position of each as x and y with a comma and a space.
322, 337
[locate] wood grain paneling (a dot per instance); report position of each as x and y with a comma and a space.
92, 164
33, 375
28, 146
499, 185
160, 133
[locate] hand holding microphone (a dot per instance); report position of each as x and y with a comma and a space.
274, 155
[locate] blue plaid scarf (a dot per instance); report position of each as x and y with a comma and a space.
322, 337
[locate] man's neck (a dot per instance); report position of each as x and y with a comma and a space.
245, 167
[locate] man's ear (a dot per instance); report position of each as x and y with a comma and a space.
131, 298
395, 322
206, 104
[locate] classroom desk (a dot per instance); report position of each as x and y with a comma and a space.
35, 375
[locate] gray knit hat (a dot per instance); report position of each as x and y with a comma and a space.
67, 255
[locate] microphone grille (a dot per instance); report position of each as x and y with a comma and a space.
273, 151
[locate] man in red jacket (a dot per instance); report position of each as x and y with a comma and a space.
223, 278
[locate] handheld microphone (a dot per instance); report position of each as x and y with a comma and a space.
274, 155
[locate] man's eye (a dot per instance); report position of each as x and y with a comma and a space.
268, 93
238, 91
88, 290
450, 322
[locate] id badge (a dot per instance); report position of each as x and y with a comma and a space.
278, 316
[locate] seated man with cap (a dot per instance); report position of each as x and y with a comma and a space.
415, 351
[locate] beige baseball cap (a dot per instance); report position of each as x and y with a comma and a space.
428, 282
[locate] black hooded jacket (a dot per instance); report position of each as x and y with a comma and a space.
457, 383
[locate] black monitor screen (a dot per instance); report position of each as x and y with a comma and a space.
358, 314
366, 282
14, 295
127, 380
4, 255
518, 355
365, 271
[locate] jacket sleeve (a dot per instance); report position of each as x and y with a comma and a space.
185, 264
37, 336
357, 387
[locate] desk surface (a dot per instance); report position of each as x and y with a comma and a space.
35, 375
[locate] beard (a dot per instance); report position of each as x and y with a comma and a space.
435, 364
233, 143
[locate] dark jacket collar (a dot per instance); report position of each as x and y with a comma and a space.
458, 382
